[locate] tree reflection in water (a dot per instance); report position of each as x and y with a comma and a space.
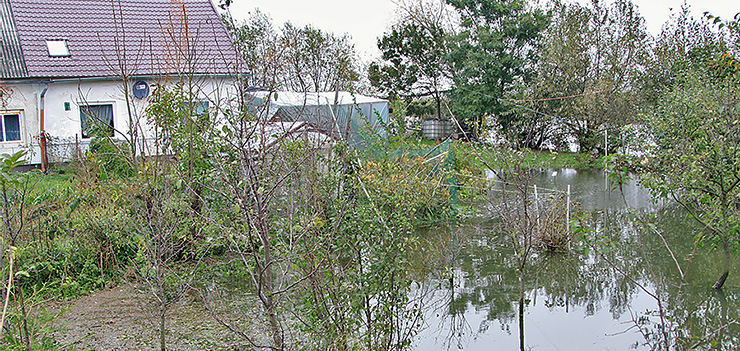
584, 299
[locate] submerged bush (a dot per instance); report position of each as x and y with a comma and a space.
553, 232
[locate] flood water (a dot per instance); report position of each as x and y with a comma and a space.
624, 293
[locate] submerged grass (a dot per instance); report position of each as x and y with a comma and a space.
540, 158
551, 159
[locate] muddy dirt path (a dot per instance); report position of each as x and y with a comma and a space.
117, 319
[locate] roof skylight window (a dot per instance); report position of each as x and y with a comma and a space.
57, 47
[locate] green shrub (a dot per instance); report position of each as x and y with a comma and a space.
110, 158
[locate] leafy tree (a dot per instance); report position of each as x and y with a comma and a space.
361, 300
495, 49
298, 59
696, 161
317, 61
415, 53
159, 215
684, 43
259, 46
591, 69
564, 64
728, 62
695, 125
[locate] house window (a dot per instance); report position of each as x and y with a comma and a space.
57, 48
198, 113
11, 127
200, 108
96, 120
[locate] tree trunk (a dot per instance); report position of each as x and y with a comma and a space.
521, 310
267, 288
24, 318
726, 248
162, 343
277, 334
438, 99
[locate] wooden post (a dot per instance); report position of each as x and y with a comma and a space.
567, 209
567, 216
537, 206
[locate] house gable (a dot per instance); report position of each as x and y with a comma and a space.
62, 59
122, 37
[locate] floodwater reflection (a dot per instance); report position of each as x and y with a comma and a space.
582, 300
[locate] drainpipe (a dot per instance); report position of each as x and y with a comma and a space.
42, 135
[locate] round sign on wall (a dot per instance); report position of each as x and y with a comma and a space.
141, 89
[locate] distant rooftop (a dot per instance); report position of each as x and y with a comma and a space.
292, 98
102, 38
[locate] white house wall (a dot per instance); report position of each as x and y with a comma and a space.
24, 99
63, 127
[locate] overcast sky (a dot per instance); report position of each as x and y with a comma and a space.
366, 20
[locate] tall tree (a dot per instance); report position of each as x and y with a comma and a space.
260, 48
495, 49
415, 52
695, 126
316, 60
561, 72
298, 59
591, 69
696, 161
684, 43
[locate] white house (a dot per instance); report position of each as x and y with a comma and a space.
65, 63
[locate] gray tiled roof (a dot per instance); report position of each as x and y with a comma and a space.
150, 36
11, 55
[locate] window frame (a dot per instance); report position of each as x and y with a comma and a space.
57, 47
200, 109
3, 129
83, 134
